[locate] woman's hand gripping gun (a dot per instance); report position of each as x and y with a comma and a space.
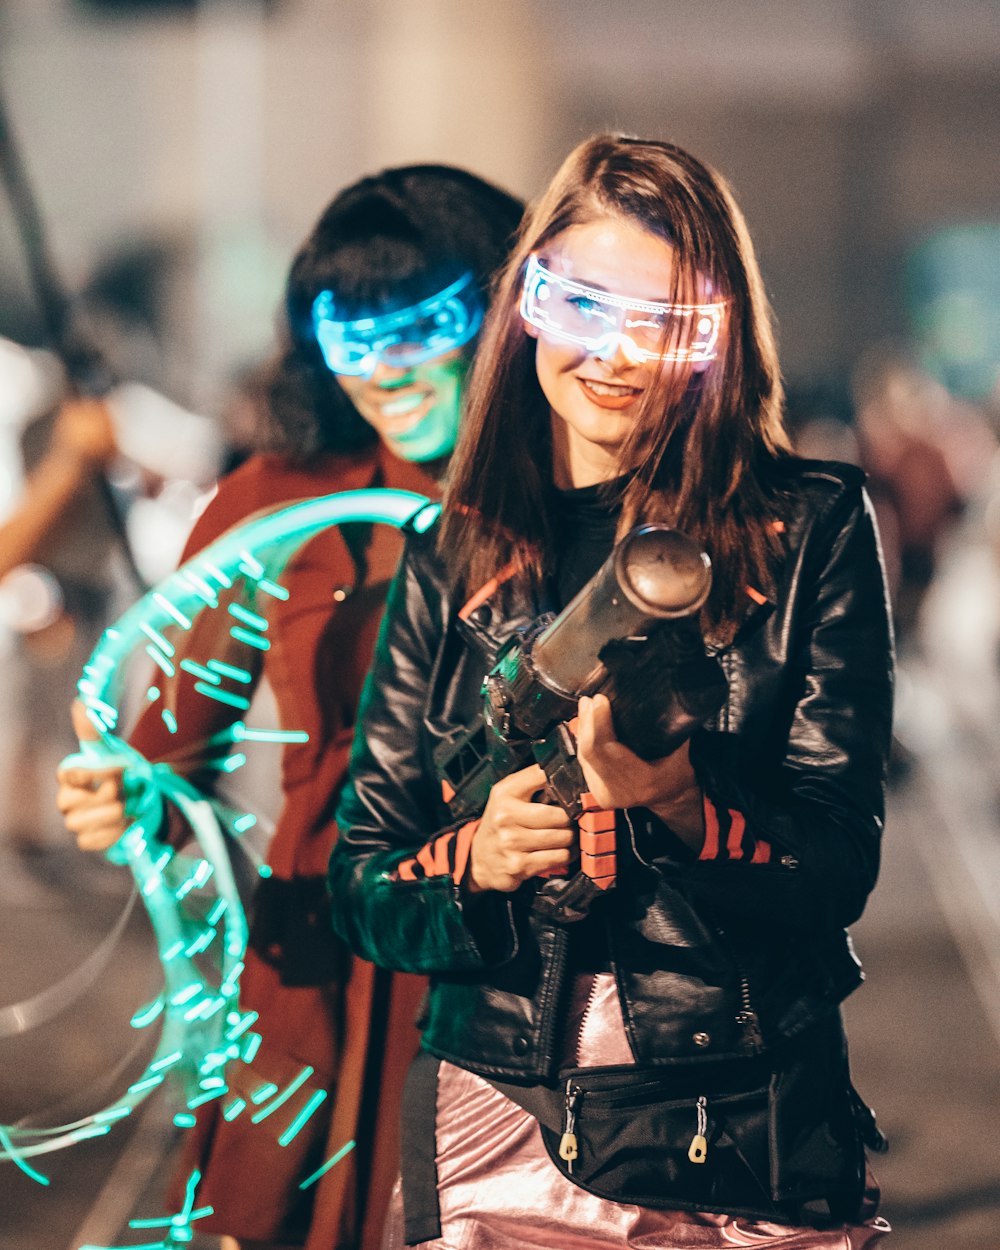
632, 634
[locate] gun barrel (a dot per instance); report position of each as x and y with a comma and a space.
655, 573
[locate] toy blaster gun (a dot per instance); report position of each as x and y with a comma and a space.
631, 634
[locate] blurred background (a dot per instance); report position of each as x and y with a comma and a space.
181, 150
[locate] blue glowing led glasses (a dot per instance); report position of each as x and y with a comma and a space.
403, 338
598, 320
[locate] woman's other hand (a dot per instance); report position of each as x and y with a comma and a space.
84, 432
617, 777
517, 838
92, 800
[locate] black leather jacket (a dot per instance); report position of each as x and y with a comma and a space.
705, 951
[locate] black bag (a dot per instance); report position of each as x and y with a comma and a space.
775, 1137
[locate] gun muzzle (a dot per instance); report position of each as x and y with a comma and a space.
654, 574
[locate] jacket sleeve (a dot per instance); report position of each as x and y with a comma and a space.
396, 877
797, 845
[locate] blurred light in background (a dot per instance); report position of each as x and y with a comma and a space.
954, 300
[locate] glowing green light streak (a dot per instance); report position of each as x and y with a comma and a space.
230, 670
234, 1109
171, 609
285, 1094
259, 551
242, 823
194, 1103
160, 660
247, 617
252, 1046
300, 1121
252, 640
166, 1062
146, 1015
200, 587
272, 588
158, 639
222, 696
331, 1162
251, 565
199, 670
263, 1094
153, 693
271, 735
12, 1152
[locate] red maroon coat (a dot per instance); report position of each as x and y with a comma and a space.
317, 1005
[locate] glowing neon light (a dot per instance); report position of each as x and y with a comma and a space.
222, 696
598, 320
196, 1012
230, 670
292, 1087
252, 640
272, 588
404, 338
300, 1121
331, 1162
247, 617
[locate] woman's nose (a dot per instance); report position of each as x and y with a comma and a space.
617, 350
388, 375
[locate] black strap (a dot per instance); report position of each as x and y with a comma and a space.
418, 1164
540, 1101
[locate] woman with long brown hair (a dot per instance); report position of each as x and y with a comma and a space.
661, 1063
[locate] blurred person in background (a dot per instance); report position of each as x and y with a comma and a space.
383, 302
53, 602
668, 1070
925, 454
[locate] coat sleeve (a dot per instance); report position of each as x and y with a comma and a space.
797, 846
397, 877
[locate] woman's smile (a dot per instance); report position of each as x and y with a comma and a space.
606, 394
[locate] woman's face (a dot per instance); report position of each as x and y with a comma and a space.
415, 411
595, 395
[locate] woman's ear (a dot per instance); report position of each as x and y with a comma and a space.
531, 331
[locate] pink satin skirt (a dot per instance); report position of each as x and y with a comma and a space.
499, 1190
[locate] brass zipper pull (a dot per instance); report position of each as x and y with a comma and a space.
698, 1150
567, 1144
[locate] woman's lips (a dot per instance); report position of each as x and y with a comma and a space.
400, 412
609, 394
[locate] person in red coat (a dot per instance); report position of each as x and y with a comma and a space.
384, 302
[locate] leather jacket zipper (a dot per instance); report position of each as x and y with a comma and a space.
746, 1017
556, 977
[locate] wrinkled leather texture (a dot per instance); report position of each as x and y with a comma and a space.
799, 748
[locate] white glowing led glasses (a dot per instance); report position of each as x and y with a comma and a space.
403, 338
598, 320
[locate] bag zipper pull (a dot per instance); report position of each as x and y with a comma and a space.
698, 1150
567, 1143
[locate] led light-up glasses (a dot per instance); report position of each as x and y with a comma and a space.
403, 338
598, 320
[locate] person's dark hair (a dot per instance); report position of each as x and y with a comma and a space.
385, 242
702, 444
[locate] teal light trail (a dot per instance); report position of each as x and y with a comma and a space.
331, 1162
196, 1013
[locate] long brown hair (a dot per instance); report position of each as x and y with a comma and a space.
702, 446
